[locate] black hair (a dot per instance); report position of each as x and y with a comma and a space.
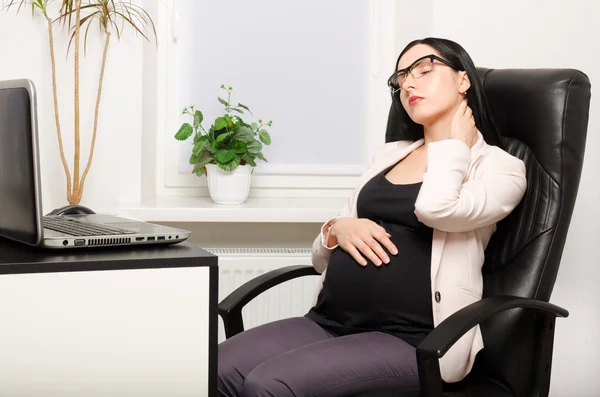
401, 127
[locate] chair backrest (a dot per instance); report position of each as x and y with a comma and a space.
542, 115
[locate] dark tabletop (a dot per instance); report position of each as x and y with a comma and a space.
18, 258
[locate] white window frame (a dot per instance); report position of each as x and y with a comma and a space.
160, 146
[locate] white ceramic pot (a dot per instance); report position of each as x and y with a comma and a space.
229, 187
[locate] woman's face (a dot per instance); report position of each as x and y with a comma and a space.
436, 92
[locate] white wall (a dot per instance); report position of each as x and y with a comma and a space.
550, 33
115, 172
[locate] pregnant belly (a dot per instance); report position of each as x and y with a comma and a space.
349, 286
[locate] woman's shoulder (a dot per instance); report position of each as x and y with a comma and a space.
496, 157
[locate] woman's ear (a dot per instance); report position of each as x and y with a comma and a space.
463, 83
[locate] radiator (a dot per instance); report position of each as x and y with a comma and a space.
292, 298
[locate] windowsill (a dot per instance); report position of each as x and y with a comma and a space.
255, 209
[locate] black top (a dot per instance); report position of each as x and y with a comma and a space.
395, 297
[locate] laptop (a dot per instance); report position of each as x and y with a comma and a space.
21, 216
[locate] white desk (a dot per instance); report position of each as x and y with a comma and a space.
83, 324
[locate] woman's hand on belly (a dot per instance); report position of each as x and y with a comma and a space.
361, 237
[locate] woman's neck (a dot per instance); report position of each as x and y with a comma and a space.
436, 132
439, 129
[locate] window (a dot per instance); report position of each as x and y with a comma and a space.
311, 66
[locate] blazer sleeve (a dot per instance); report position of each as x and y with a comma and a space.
449, 203
320, 251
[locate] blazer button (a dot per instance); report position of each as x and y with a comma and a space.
438, 296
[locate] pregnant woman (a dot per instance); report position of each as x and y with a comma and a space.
405, 252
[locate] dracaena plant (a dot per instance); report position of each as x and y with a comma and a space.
229, 142
111, 17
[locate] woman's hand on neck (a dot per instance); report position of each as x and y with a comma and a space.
441, 128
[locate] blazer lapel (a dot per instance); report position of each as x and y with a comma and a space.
437, 246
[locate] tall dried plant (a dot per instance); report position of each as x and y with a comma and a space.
110, 15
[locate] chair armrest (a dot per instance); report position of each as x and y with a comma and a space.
230, 308
449, 331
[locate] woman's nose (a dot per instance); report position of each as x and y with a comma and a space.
409, 82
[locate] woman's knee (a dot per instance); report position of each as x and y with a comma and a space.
261, 383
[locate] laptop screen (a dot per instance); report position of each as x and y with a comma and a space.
18, 214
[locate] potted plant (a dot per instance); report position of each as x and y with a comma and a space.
76, 17
227, 152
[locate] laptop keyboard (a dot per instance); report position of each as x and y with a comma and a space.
75, 228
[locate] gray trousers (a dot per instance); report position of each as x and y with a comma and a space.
296, 357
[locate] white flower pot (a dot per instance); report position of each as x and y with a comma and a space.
229, 187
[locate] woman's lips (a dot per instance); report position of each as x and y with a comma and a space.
414, 100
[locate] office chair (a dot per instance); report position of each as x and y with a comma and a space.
543, 116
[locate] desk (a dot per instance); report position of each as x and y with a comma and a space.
118, 322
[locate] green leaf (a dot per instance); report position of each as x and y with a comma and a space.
244, 107
224, 136
237, 110
193, 159
203, 159
239, 147
198, 117
200, 146
200, 171
254, 126
223, 102
224, 155
199, 138
184, 132
254, 146
244, 134
250, 160
260, 156
220, 123
230, 165
214, 146
264, 137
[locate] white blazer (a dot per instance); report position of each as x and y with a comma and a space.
465, 192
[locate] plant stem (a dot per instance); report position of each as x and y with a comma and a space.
76, 189
97, 110
56, 113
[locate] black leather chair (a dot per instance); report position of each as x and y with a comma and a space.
543, 115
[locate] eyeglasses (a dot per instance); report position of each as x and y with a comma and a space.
417, 69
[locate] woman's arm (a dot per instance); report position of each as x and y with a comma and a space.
321, 252
446, 203
322, 248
